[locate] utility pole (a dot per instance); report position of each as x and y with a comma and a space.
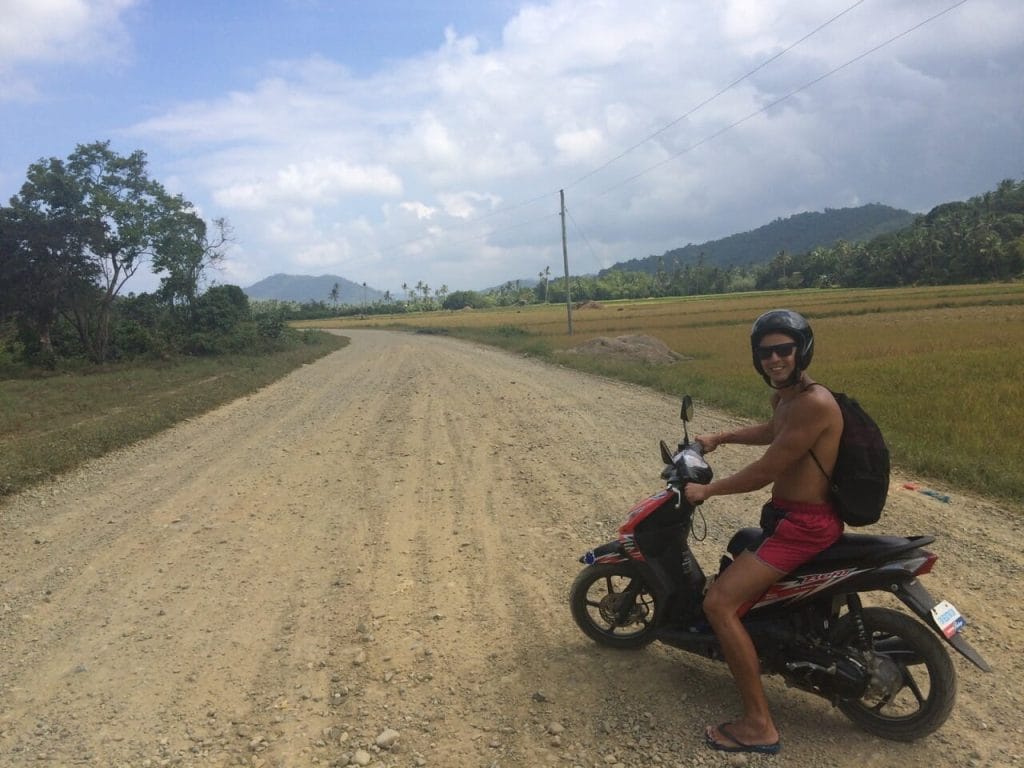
565, 259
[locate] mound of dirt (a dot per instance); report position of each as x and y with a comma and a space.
589, 305
639, 348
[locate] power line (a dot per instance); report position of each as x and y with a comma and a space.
706, 139
781, 99
652, 136
708, 100
583, 235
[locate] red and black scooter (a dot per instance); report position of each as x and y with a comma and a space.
886, 671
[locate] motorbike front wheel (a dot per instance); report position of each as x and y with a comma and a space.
913, 681
614, 606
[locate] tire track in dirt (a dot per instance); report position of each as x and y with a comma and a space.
385, 539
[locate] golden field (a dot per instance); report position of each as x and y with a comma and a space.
940, 368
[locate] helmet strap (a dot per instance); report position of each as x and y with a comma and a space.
794, 378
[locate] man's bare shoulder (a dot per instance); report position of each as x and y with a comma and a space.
817, 403
816, 400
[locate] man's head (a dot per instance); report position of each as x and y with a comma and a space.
781, 345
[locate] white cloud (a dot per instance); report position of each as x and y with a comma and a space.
41, 32
320, 181
446, 166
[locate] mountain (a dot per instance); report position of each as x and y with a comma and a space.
303, 288
794, 235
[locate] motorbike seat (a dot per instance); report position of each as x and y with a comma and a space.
850, 548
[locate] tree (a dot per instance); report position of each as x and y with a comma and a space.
333, 295
80, 228
185, 252
44, 237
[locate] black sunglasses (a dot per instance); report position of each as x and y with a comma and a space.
782, 350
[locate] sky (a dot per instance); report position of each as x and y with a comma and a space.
392, 142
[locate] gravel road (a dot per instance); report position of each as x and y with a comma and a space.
367, 563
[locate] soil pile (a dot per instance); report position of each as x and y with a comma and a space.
639, 348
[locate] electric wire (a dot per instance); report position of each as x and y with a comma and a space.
584, 236
704, 140
651, 137
779, 100
710, 99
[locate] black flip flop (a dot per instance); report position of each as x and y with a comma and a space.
737, 745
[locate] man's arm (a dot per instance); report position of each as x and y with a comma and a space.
793, 440
758, 434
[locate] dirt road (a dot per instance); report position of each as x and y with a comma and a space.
367, 563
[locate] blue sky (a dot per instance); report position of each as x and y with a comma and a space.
394, 142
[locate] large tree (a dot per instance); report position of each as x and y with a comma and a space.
45, 235
80, 228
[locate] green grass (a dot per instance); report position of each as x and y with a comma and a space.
50, 424
941, 368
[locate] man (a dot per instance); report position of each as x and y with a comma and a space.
799, 521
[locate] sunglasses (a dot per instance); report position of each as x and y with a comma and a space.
782, 350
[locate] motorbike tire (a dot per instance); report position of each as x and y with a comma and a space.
597, 601
921, 689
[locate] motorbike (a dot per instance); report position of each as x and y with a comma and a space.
886, 671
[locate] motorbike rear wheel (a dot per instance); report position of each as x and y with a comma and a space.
913, 679
614, 606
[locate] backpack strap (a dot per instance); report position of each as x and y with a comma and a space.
819, 465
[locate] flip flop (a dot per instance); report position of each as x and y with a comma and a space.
737, 745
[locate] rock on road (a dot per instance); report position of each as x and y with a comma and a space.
367, 563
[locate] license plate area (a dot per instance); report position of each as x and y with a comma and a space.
947, 618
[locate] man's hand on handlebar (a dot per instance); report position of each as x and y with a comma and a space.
708, 442
696, 493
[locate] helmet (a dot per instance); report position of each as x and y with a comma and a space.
792, 324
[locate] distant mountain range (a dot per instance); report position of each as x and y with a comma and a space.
797, 234
303, 288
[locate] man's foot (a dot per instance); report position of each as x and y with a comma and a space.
721, 737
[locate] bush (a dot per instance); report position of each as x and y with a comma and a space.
270, 325
221, 309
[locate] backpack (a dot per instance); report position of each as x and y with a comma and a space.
860, 480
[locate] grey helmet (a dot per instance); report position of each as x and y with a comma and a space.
792, 324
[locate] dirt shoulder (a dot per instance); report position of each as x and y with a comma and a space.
382, 543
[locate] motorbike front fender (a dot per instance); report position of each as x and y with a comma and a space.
611, 552
917, 598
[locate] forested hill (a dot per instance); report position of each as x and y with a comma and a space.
796, 234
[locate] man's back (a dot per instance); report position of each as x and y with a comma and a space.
810, 416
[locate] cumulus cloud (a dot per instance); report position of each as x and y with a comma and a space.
447, 165
35, 34
321, 181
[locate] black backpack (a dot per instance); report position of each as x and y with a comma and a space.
860, 480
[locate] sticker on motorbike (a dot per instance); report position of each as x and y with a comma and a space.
947, 618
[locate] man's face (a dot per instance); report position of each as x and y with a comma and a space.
777, 354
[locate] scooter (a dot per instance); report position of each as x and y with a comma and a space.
886, 671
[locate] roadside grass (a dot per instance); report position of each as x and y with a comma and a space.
940, 368
52, 423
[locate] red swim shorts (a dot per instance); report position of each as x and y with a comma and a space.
800, 532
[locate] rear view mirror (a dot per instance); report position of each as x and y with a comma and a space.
666, 454
686, 412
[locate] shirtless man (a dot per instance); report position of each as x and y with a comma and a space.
799, 521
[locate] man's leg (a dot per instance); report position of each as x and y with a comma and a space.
742, 582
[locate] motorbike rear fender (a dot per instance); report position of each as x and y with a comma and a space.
917, 598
